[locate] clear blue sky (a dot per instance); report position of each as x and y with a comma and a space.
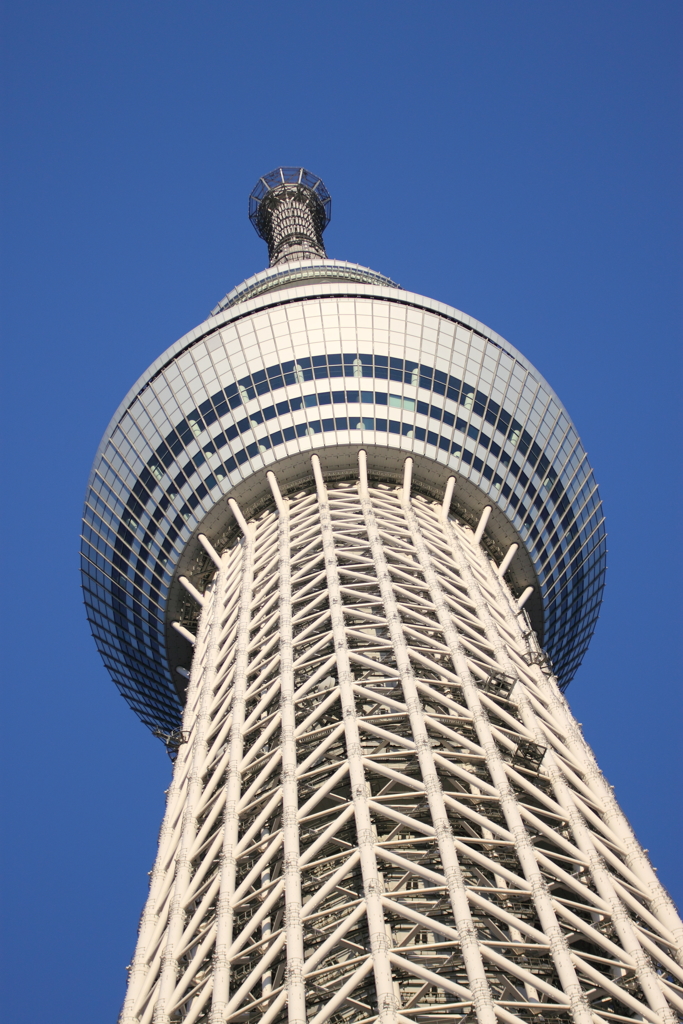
518, 159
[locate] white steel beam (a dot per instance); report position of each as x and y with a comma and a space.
382, 809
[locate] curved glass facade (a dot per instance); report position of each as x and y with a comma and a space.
322, 363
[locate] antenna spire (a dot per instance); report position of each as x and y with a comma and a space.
290, 208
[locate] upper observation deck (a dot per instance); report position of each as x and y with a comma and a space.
318, 355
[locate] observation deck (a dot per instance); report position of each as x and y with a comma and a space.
325, 356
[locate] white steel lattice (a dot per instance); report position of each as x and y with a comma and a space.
384, 809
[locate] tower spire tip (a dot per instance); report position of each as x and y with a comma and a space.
290, 208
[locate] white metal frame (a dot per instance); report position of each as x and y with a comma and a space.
384, 810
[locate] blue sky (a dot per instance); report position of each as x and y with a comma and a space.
519, 160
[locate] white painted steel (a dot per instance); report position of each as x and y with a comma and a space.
192, 590
505, 564
384, 810
481, 526
184, 632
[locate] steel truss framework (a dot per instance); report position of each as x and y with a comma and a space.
290, 208
384, 809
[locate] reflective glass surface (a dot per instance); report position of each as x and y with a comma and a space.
302, 367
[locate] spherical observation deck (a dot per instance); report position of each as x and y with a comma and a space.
319, 355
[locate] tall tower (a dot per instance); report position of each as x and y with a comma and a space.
342, 552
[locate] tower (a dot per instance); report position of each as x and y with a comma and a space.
342, 552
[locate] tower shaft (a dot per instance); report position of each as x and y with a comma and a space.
382, 808
291, 227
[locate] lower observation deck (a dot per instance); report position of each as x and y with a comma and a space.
329, 358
